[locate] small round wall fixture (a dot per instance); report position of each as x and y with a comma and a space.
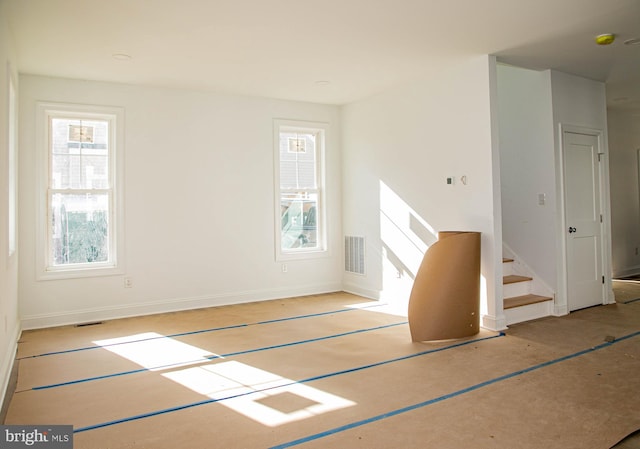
605, 39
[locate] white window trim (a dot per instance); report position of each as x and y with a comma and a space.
117, 248
304, 253
12, 164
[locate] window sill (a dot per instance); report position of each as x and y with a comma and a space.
78, 273
302, 255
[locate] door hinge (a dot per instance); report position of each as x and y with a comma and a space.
600, 157
600, 218
603, 279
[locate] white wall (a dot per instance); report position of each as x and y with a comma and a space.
9, 323
199, 207
527, 157
579, 102
399, 148
533, 106
624, 143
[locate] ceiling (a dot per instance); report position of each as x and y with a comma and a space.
330, 51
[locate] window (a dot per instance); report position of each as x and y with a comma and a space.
80, 218
299, 150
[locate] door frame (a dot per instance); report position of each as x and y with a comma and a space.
561, 306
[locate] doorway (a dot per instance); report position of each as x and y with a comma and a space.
583, 175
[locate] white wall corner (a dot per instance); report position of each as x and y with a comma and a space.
359, 291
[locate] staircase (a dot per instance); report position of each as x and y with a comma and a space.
519, 303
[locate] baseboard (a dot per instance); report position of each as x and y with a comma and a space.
365, 293
560, 310
173, 305
494, 323
626, 272
7, 365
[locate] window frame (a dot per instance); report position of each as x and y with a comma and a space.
12, 165
115, 263
321, 130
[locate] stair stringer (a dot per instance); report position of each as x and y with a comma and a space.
538, 286
535, 286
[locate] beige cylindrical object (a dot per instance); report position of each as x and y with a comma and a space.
445, 298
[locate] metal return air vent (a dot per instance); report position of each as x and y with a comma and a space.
354, 254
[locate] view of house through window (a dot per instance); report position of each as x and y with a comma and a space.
300, 189
80, 220
79, 191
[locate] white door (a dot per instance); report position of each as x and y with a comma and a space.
585, 282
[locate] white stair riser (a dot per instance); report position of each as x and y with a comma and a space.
516, 289
507, 268
529, 312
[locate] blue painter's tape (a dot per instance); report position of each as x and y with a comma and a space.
213, 357
201, 331
307, 380
311, 340
449, 396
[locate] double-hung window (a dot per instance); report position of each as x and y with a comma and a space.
80, 225
300, 208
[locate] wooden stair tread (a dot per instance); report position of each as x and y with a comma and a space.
525, 300
513, 278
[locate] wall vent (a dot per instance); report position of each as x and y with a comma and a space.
354, 254
93, 323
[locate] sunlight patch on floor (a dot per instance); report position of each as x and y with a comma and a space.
398, 308
274, 400
154, 351
257, 394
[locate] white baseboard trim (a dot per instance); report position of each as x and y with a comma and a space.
560, 310
365, 293
7, 363
40, 321
494, 323
625, 272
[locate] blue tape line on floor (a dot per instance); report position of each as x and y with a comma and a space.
448, 396
230, 354
310, 379
201, 331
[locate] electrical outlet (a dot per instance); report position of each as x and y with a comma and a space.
128, 282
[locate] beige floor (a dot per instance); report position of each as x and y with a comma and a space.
323, 372
626, 291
